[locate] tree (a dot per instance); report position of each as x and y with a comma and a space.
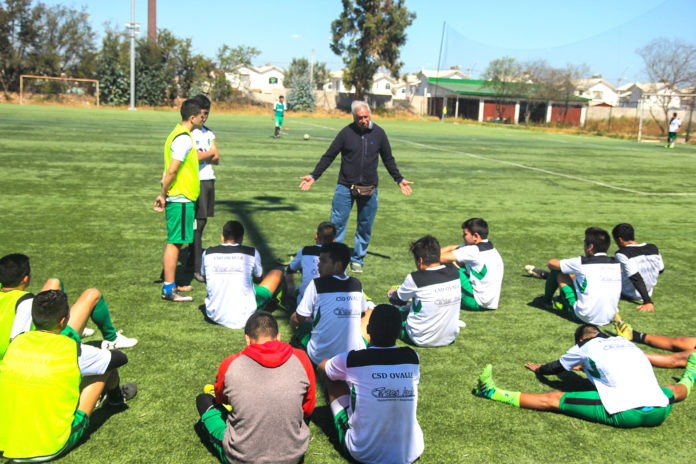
299, 68
229, 58
563, 84
18, 33
113, 80
540, 77
504, 77
369, 34
671, 63
301, 97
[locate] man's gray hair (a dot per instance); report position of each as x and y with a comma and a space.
357, 104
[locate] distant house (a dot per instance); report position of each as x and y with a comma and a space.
426, 75
406, 87
259, 79
597, 90
335, 83
383, 84
653, 94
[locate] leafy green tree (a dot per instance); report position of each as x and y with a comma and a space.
114, 85
301, 97
504, 77
229, 58
221, 90
369, 34
150, 75
299, 68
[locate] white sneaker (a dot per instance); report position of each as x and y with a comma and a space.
121, 342
87, 332
461, 324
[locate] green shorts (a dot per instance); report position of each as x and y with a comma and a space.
180, 217
587, 405
302, 335
403, 335
468, 301
341, 423
279, 121
568, 299
215, 420
78, 428
70, 333
263, 296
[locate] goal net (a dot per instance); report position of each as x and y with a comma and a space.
64, 90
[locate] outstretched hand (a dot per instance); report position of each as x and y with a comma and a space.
647, 307
532, 366
307, 182
405, 187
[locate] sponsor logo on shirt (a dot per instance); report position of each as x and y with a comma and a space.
387, 394
345, 312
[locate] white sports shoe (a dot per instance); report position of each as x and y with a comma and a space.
121, 342
461, 324
87, 332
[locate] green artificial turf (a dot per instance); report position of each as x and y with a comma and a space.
78, 187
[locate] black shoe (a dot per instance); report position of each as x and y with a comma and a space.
199, 277
122, 394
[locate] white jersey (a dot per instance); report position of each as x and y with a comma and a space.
674, 124
434, 311
306, 261
597, 286
181, 146
620, 372
485, 269
228, 269
335, 305
203, 140
644, 259
22, 321
383, 428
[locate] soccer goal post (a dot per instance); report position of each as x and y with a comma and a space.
69, 85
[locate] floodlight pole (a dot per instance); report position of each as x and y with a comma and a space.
132, 29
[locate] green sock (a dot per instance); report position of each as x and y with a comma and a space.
507, 397
551, 285
102, 318
62, 288
689, 375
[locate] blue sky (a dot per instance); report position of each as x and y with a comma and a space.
602, 33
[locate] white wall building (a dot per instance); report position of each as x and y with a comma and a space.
599, 91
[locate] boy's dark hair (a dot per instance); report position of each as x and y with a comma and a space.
203, 101
233, 230
338, 252
13, 268
585, 331
48, 308
384, 326
599, 238
326, 233
476, 226
190, 107
261, 324
284, 99
623, 231
427, 248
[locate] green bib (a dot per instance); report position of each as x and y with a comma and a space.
186, 182
39, 393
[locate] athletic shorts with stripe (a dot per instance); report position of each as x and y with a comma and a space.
180, 217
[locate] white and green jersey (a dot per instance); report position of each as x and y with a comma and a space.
203, 140
436, 296
335, 305
306, 261
279, 109
644, 259
674, 124
597, 285
485, 269
383, 428
620, 372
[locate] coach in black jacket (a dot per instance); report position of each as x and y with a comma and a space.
359, 144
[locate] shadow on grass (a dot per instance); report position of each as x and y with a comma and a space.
323, 419
568, 381
96, 420
538, 303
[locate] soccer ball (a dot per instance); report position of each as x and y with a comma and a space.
306, 137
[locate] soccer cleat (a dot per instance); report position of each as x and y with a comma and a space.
556, 303
121, 342
199, 277
689, 376
486, 386
209, 389
461, 324
536, 272
87, 332
622, 327
126, 392
176, 296
356, 268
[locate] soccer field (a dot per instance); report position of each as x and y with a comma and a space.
78, 190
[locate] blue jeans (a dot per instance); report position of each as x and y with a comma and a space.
340, 212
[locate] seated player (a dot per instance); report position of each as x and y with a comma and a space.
682, 346
626, 391
432, 317
270, 387
590, 285
50, 383
307, 259
329, 317
16, 301
481, 266
229, 270
374, 394
641, 264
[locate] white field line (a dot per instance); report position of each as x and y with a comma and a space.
531, 168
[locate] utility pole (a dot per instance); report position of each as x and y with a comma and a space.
311, 72
133, 29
